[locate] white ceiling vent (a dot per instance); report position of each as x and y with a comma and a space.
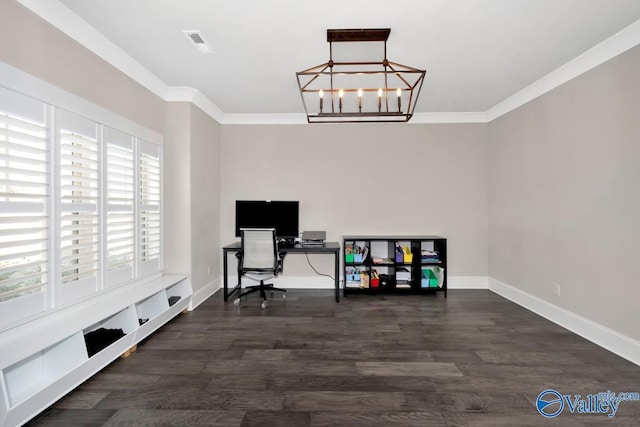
197, 39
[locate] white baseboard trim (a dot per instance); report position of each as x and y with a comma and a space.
468, 282
204, 292
606, 338
320, 282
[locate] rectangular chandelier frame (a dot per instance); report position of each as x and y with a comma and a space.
326, 89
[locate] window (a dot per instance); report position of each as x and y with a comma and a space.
79, 211
24, 163
149, 206
80, 207
120, 231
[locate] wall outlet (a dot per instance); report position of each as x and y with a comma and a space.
556, 288
208, 270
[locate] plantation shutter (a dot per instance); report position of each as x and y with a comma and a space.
24, 182
120, 183
149, 187
79, 204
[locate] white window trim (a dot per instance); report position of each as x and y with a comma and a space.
21, 310
26, 84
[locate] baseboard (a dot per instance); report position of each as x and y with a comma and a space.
606, 338
201, 294
468, 282
320, 282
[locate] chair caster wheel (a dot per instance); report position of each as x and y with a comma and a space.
263, 305
236, 301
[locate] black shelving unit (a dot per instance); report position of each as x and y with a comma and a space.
372, 264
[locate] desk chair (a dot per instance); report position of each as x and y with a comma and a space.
259, 260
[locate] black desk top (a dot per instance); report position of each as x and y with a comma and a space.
326, 247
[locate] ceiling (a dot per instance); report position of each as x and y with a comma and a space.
477, 53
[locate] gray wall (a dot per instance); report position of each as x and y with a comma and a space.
361, 178
565, 197
191, 194
205, 198
177, 187
36, 47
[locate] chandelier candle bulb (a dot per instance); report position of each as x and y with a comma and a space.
321, 95
360, 100
340, 94
399, 93
380, 100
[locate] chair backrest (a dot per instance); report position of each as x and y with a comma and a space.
259, 249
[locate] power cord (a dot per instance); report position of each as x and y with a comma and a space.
316, 271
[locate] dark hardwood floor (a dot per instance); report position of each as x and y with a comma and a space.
471, 359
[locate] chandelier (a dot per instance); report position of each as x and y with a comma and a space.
352, 91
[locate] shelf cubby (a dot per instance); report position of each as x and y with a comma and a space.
158, 310
353, 254
179, 290
433, 249
149, 308
38, 371
124, 320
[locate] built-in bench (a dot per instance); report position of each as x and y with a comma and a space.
43, 359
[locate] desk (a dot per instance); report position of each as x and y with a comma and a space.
327, 248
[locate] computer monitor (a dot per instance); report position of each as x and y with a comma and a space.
278, 214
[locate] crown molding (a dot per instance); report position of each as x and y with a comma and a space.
180, 94
211, 109
194, 96
620, 42
75, 27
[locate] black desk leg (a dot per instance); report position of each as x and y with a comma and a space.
224, 275
337, 273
